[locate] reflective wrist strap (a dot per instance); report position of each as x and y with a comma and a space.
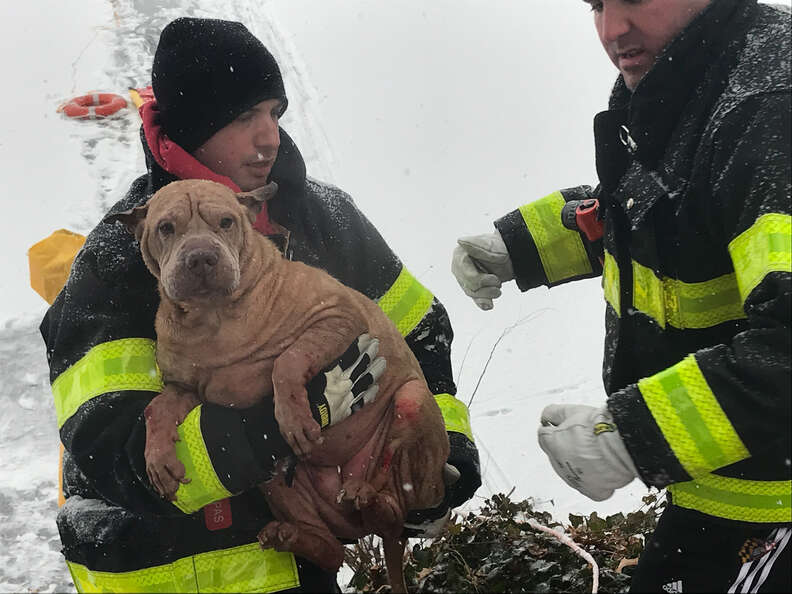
561, 250
455, 415
204, 486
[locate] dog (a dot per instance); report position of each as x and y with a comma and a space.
238, 323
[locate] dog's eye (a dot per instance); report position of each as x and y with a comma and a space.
226, 222
166, 228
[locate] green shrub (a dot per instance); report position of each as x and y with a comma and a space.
495, 550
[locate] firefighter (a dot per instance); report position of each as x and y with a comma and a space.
219, 96
689, 227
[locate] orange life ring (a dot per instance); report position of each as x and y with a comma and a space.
93, 106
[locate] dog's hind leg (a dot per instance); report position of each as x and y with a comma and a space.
318, 546
299, 528
394, 562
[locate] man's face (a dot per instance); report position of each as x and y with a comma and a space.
634, 32
245, 149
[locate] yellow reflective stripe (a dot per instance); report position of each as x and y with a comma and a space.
204, 486
703, 304
406, 302
648, 294
126, 364
686, 305
455, 414
736, 499
691, 419
246, 568
610, 282
763, 248
560, 249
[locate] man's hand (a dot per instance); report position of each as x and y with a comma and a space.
481, 264
349, 382
585, 449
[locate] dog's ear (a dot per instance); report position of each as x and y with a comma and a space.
254, 199
132, 219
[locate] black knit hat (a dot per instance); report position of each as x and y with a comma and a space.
206, 72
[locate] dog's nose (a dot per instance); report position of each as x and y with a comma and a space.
200, 262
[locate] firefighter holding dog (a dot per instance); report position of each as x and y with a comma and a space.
219, 98
689, 227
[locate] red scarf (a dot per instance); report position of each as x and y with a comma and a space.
175, 160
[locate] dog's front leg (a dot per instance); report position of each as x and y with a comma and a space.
163, 415
321, 343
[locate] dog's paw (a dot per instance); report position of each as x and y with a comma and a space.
278, 535
298, 427
164, 469
357, 491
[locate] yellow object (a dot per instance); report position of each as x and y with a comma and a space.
50, 262
763, 248
455, 415
124, 364
406, 302
561, 250
204, 486
245, 568
136, 98
736, 499
691, 418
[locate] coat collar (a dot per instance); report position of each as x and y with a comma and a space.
634, 136
655, 107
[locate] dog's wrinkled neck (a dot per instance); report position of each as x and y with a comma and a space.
257, 261
193, 314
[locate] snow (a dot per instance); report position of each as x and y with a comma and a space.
436, 117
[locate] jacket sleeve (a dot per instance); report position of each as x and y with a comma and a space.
541, 249
99, 335
731, 401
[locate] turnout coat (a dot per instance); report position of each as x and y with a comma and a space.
694, 172
117, 534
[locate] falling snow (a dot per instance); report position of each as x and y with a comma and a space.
396, 126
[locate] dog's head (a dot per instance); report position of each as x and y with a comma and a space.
193, 234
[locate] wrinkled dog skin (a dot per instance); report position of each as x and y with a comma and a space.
238, 323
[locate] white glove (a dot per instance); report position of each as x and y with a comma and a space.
348, 383
481, 264
585, 449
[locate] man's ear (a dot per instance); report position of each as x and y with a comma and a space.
132, 219
254, 199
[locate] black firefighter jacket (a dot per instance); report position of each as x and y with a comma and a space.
694, 171
116, 532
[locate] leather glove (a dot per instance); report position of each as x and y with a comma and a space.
481, 264
346, 384
585, 449
336, 392
462, 477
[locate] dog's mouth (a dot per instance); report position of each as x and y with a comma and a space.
201, 275
198, 292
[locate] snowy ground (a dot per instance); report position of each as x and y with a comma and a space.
437, 117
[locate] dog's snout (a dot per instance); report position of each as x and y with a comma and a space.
201, 266
201, 261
